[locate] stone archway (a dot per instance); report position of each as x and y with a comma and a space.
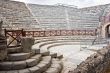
106, 30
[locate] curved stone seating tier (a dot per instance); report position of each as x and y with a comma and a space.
40, 43
69, 62
42, 40
16, 65
34, 61
73, 38
66, 37
46, 65
45, 43
55, 67
14, 50
18, 56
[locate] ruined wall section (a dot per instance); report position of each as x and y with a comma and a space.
17, 15
96, 63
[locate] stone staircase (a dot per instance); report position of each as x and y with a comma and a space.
35, 61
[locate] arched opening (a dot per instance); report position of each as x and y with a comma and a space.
107, 31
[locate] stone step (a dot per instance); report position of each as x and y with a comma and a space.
18, 56
17, 65
44, 52
46, 65
14, 50
42, 66
34, 52
37, 51
53, 55
59, 56
55, 67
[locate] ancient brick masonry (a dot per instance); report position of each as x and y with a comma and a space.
3, 47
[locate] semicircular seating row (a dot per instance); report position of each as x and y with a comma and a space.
45, 43
35, 61
48, 43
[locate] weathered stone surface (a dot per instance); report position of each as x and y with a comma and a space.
52, 70
3, 54
14, 50
24, 71
59, 56
37, 51
6, 65
53, 55
55, 67
3, 46
96, 63
14, 71
31, 62
38, 56
35, 69
45, 63
19, 65
42, 67
2, 71
18, 56
44, 52
27, 43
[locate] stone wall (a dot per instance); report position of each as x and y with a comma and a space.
96, 63
63, 17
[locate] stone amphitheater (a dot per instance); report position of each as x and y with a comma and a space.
67, 39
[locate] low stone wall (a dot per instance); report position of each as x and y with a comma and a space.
96, 63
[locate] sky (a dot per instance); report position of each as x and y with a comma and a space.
78, 3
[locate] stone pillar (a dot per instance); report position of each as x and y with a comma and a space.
27, 43
3, 46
